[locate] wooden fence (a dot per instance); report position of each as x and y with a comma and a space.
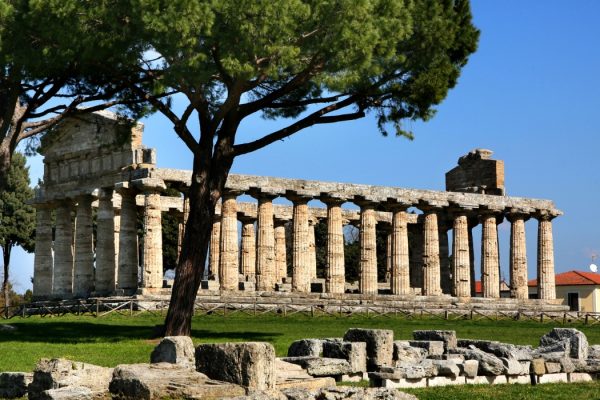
101, 307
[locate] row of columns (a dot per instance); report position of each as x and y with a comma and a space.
436, 274
69, 265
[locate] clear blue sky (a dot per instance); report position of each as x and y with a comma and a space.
530, 93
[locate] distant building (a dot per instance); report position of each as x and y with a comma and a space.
579, 290
504, 289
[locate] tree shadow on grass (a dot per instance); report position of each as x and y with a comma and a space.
86, 332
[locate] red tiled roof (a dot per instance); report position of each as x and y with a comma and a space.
573, 278
503, 286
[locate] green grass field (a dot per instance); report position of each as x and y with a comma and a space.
117, 339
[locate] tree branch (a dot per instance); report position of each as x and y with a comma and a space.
318, 117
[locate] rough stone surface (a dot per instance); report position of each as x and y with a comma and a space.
446, 368
513, 367
499, 349
553, 378
487, 380
380, 345
448, 337
488, 363
175, 350
250, 364
424, 369
469, 368
594, 351
538, 366
552, 367
68, 393
59, 372
321, 366
164, 380
354, 352
14, 384
577, 340
433, 347
445, 381
404, 352
306, 348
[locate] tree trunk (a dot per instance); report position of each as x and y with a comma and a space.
207, 186
6, 248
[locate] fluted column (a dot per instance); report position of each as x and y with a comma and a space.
280, 251
312, 249
127, 279
461, 256
152, 268
300, 259
228, 260
265, 246
248, 256
83, 276
490, 267
106, 263
400, 262
416, 245
545, 258
472, 224
44, 260
335, 279
446, 281
368, 250
388, 254
184, 219
518, 256
63, 251
215, 249
431, 254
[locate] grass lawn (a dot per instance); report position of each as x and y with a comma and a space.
117, 339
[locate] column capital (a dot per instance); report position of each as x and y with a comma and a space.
280, 221
396, 205
245, 219
125, 189
547, 215
258, 194
515, 214
298, 197
332, 200
484, 213
230, 194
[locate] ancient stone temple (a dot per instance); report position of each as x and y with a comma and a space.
99, 227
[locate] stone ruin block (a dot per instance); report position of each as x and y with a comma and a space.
507, 350
321, 366
59, 372
405, 353
434, 348
578, 344
489, 364
354, 352
380, 345
306, 348
448, 337
250, 364
477, 173
14, 384
167, 381
175, 350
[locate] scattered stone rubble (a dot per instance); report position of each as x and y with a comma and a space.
250, 371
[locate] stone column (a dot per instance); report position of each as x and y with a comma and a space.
415, 245
83, 276
228, 259
152, 268
300, 258
335, 274
545, 258
368, 250
461, 256
44, 260
472, 224
312, 249
388, 254
215, 249
446, 280
248, 256
280, 251
63, 252
127, 279
490, 276
106, 265
431, 254
265, 246
185, 216
518, 256
400, 262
